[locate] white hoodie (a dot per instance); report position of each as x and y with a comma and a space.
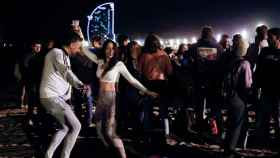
57, 76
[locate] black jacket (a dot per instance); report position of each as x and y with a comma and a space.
268, 71
206, 54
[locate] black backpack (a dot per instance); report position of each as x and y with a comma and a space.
231, 79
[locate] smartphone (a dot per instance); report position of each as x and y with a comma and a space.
75, 22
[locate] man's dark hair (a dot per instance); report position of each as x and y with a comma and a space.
70, 37
275, 31
207, 32
152, 43
36, 42
261, 29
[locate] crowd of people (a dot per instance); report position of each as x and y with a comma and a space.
122, 82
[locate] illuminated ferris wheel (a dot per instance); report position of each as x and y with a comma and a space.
101, 22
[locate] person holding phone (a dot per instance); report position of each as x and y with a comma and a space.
108, 71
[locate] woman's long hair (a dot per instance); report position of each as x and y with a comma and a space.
113, 61
239, 46
181, 48
152, 43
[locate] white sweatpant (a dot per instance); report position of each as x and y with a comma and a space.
70, 126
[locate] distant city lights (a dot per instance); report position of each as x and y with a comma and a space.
185, 41
171, 42
247, 34
218, 36
260, 24
194, 39
244, 33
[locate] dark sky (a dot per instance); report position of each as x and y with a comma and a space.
27, 19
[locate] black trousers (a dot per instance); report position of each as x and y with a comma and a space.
236, 118
210, 96
268, 107
32, 91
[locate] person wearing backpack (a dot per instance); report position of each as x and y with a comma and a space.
207, 79
237, 82
267, 80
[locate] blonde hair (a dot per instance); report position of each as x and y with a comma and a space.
240, 45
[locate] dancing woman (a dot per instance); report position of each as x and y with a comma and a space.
108, 71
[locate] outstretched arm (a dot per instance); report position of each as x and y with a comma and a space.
125, 73
85, 50
89, 54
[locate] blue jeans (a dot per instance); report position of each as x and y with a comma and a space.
78, 102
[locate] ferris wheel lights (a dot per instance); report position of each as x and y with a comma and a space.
102, 8
112, 5
90, 17
102, 24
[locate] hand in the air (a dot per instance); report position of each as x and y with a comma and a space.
78, 30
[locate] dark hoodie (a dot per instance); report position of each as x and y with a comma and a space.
206, 54
267, 73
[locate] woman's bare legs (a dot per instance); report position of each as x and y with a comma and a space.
99, 129
105, 114
113, 138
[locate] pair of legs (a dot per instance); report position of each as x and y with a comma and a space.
106, 123
21, 101
32, 98
236, 117
208, 97
160, 87
70, 126
269, 107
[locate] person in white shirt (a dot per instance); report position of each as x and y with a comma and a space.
108, 71
55, 90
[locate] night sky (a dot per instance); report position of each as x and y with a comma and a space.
29, 19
